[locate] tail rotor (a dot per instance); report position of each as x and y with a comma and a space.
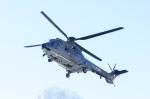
111, 68
114, 73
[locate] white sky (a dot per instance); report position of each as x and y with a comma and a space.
58, 93
24, 73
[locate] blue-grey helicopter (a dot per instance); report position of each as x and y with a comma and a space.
68, 54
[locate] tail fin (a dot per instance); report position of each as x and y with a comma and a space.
114, 73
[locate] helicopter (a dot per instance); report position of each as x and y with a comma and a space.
68, 54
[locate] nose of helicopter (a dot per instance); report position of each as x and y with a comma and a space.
43, 46
46, 46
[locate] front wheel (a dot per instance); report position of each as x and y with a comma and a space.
67, 75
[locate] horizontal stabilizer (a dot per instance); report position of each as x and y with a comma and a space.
117, 72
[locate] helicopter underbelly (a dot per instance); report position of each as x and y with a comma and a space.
63, 60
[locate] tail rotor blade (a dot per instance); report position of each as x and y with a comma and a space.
114, 67
110, 67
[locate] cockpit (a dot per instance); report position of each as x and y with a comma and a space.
68, 47
55, 42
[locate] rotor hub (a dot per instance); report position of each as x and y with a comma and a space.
71, 39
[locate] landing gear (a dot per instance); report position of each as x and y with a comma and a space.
68, 75
84, 70
44, 54
49, 60
100, 77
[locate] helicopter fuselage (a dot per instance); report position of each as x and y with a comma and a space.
69, 54
70, 57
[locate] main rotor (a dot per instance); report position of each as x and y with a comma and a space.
73, 39
81, 38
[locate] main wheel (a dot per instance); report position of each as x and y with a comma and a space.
67, 75
100, 77
49, 60
84, 70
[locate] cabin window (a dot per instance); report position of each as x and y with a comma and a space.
66, 49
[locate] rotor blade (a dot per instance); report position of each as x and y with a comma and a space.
110, 67
86, 51
32, 45
50, 20
114, 67
98, 34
